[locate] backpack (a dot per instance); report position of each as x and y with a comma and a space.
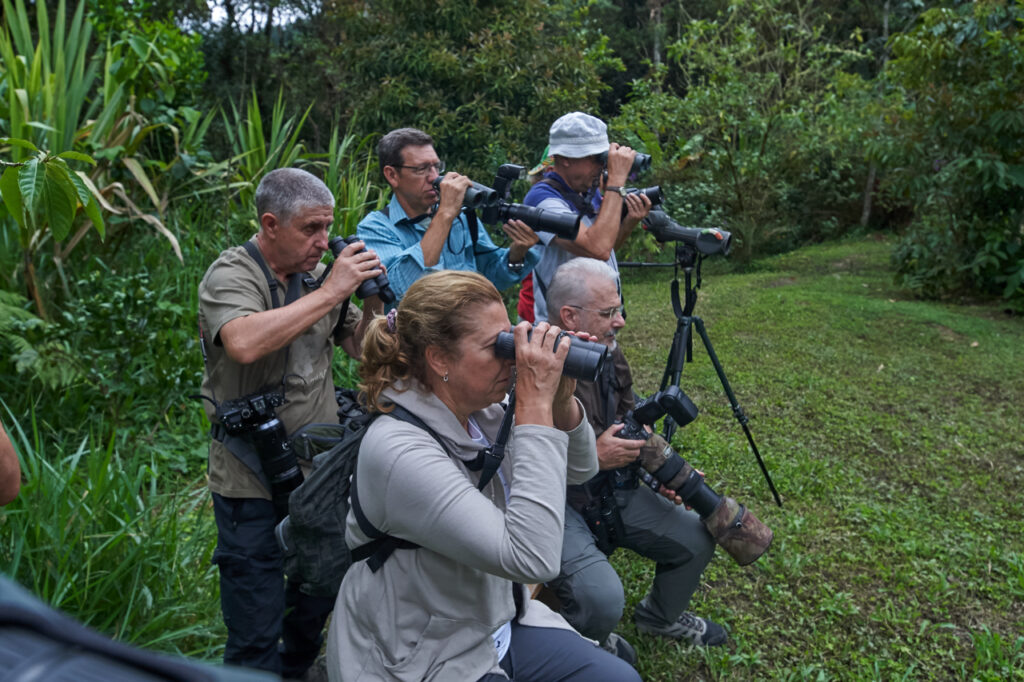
312, 536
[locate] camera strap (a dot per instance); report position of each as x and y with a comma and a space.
489, 459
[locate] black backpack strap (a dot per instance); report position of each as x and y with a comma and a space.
377, 551
474, 225
573, 198
271, 280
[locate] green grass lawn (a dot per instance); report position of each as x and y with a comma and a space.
892, 429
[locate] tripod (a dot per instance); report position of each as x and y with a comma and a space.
689, 260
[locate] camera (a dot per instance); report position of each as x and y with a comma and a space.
653, 193
254, 419
641, 162
584, 360
733, 526
378, 286
707, 240
495, 208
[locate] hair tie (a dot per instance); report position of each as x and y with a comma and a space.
392, 315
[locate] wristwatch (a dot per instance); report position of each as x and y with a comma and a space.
621, 191
516, 267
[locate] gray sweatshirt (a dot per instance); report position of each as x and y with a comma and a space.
428, 614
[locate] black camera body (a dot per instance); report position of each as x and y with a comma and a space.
495, 208
378, 286
584, 361
254, 419
245, 415
653, 193
732, 525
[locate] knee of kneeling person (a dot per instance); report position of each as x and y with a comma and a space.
597, 608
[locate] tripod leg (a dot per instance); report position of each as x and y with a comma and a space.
678, 355
736, 409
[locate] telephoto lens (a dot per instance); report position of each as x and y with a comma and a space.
378, 286
584, 361
732, 525
279, 463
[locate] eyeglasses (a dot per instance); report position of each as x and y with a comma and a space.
610, 313
424, 169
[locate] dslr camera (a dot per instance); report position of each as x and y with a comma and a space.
254, 419
733, 526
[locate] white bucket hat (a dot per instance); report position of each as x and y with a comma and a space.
578, 135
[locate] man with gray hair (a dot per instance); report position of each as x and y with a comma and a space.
573, 167
584, 296
255, 345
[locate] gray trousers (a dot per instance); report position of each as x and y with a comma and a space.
674, 537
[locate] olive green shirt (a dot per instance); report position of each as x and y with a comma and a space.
235, 286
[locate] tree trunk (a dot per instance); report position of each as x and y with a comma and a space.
869, 186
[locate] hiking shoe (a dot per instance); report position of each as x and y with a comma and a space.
690, 628
617, 644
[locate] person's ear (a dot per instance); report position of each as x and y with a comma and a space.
437, 360
269, 224
569, 318
391, 175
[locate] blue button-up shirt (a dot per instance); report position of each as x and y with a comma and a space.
396, 239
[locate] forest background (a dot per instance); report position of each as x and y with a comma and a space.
134, 133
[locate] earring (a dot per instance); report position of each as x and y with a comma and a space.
445, 378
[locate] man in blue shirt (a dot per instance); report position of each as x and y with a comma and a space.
572, 173
411, 241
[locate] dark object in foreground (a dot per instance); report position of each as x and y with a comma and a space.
40, 643
733, 526
584, 360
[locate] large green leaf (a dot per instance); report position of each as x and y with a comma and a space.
18, 142
84, 194
30, 181
59, 201
11, 194
89, 203
77, 156
92, 211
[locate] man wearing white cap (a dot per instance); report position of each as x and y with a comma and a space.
578, 144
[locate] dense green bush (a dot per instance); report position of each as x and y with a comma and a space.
763, 140
955, 150
485, 79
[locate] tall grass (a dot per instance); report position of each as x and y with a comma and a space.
113, 539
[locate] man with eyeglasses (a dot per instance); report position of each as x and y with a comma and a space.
584, 296
573, 166
413, 239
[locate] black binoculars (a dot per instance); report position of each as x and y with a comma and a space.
584, 361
